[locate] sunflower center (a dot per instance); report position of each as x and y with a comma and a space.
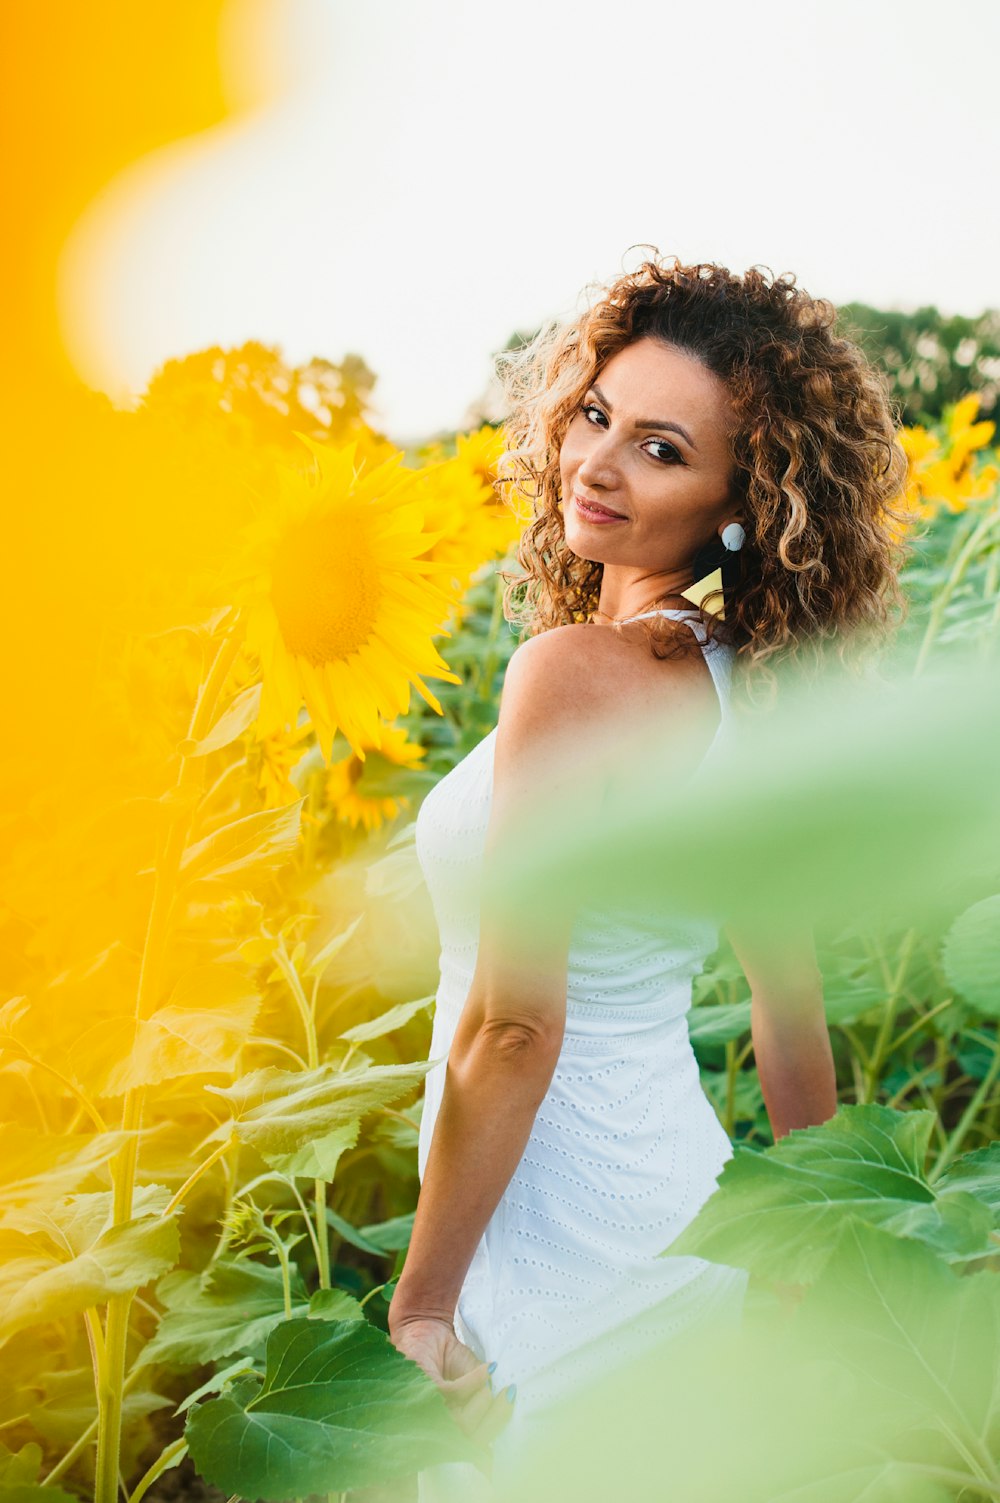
325, 589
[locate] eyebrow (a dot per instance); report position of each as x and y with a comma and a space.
649, 422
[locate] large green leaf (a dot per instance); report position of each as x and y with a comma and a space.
280, 1112
199, 1030
229, 1308
971, 956
339, 1408
245, 849
923, 1343
71, 1258
777, 1212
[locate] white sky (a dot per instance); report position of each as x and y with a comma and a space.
431, 177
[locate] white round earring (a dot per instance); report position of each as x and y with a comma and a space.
733, 537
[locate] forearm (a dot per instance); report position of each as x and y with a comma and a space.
795, 1063
494, 1085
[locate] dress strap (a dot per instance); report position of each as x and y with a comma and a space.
665, 611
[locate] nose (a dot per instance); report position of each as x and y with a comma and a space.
599, 465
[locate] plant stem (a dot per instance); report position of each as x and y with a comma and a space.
168, 1458
967, 1118
729, 1118
192, 1179
322, 1243
871, 1074
943, 597
123, 1172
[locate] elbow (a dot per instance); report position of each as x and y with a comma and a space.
526, 1047
521, 1039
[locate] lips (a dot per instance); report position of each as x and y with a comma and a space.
593, 512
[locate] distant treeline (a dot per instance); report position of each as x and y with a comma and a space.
931, 360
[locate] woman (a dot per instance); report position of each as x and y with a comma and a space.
690, 418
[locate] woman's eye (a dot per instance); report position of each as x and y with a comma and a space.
672, 454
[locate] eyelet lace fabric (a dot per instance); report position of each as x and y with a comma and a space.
624, 1150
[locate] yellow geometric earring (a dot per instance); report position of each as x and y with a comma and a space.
726, 572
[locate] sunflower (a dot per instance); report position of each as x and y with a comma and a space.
356, 790
340, 604
941, 471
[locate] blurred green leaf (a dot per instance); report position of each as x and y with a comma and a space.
971, 955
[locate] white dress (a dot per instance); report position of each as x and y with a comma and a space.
624, 1150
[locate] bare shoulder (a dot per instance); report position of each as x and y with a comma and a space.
558, 676
577, 694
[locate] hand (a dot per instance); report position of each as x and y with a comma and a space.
458, 1373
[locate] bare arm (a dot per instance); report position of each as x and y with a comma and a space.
788, 1023
508, 1039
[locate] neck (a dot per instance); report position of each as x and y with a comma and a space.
631, 594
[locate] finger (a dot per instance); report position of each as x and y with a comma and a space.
497, 1417
458, 1390
471, 1414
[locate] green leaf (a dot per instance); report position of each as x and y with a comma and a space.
334, 1304
971, 956
977, 1172
387, 1022
217, 1382
390, 1236
200, 1030
279, 1112
717, 1023
350, 1233
339, 1408
332, 948
230, 724
230, 1308
41, 1283
18, 1478
923, 1342
778, 1212
248, 849
318, 1158
37, 1166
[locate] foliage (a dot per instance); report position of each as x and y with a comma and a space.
220, 965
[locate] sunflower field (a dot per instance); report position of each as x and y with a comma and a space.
220, 966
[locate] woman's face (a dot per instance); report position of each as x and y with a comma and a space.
650, 443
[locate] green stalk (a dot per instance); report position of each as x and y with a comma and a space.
192, 1179
123, 1172
307, 1011
943, 598
967, 1118
168, 1458
729, 1118
871, 1074
488, 663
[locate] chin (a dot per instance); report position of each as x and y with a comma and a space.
584, 547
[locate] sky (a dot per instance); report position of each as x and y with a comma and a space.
425, 180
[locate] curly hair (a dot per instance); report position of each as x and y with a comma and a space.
817, 462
